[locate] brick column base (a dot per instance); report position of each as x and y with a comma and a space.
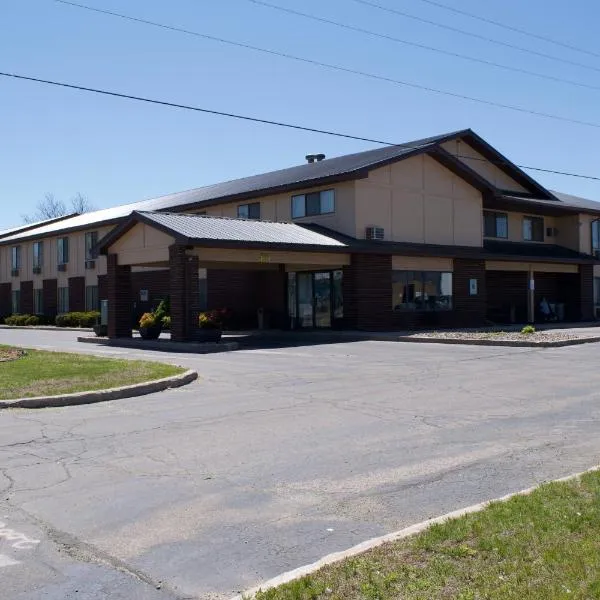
367, 289
184, 295
469, 310
586, 292
118, 279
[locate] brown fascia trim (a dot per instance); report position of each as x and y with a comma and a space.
505, 165
462, 170
529, 206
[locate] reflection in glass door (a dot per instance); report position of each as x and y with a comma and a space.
305, 299
322, 294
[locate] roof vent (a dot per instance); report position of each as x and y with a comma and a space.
311, 158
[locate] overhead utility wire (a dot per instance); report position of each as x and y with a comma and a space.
338, 68
474, 35
265, 121
390, 38
511, 28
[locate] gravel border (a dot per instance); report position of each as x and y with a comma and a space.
162, 345
492, 342
91, 397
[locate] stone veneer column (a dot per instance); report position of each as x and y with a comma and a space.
119, 298
586, 292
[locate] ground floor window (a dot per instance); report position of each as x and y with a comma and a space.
16, 302
38, 302
63, 299
203, 285
315, 298
421, 290
91, 297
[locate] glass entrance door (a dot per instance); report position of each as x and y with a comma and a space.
315, 299
304, 291
322, 299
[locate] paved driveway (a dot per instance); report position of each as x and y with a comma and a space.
275, 458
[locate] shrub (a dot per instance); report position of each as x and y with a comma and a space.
528, 330
148, 320
166, 322
77, 319
214, 319
17, 320
32, 320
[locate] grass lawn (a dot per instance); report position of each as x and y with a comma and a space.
545, 546
41, 373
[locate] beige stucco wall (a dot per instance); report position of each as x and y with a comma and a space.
75, 266
496, 265
482, 166
142, 244
278, 207
418, 200
421, 263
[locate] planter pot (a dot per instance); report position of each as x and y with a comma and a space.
208, 335
101, 330
150, 333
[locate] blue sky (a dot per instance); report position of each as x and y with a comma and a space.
117, 151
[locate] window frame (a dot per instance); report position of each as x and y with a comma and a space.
62, 303
38, 301
421, 277
89, 253
15, 301
309, 197
250, 208
533, 219
62, 250
15, 253
595, 225
496, 215
92, 301
37, 253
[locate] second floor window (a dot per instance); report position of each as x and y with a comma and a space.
249, 211
63, 250
38, 255
495, 224
91, 239
15, 258
315, 203
596, 236
533, 229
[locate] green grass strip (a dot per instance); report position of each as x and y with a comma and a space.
543, 546
41, 373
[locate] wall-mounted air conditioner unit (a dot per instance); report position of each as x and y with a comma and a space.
374, 233
90, 264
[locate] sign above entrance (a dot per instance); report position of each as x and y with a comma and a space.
264, 258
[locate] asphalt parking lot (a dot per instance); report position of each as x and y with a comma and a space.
274, 458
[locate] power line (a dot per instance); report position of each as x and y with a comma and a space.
422, 46
475, 35
266, 121
338, 68
511, 28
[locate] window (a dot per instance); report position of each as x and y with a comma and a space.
38, 255
91, 239
595, 236
63, 300
63, 250
249, 211
597, 291
533, 229
495, 224
421, 290
91, 297
15, 258
315, 203
38, 302
16, 302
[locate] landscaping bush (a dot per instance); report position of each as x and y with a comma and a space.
32, 320
77, 319
528, 330
166, 322
17, 320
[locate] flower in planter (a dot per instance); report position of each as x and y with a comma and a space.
148, 320
211, 319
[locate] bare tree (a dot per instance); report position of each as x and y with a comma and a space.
51, 208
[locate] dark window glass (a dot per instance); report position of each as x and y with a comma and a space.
495, 224
595, 235
15, 257
38, 254
63, 250
533, 229
249, 211
298, 206
91, 239
421, 290
16, 301
313, 204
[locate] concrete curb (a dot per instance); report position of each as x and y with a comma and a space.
127, 391
489, 342
391, 537
46, 328
162, 345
